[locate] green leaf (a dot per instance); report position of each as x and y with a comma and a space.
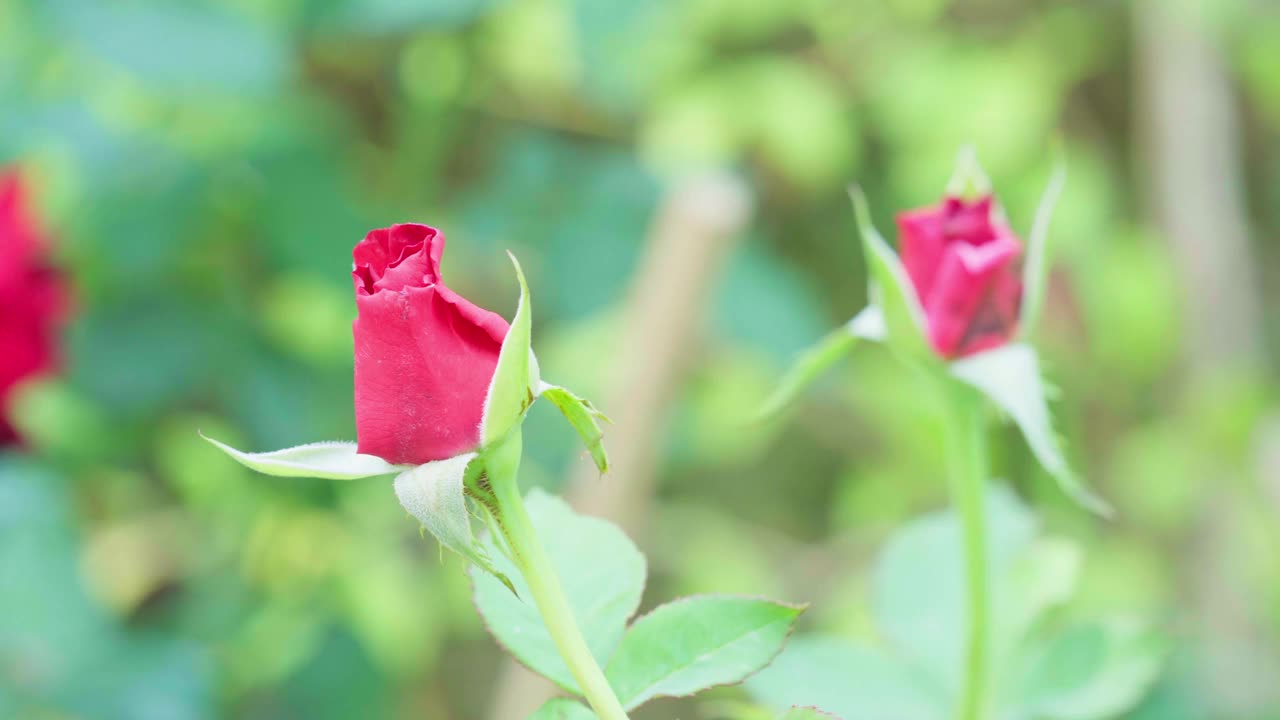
1035, 273
696, 643
1010, 377
1097, 670
806, 713
919, 585
892, 289
562, 709
434, 493
328, 460
852, 681
602, 574
584, 418
1042, 578
919, 608
509, 393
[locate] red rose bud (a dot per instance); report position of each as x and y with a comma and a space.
965, 267
424, 355
32, 297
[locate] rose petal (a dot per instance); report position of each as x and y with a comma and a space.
424, 360
921, 244
404, 255
961, 259
969, 221
966, 283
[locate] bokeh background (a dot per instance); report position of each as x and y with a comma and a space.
206, 166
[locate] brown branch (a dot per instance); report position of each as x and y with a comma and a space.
1193, 163
686, 247
1192, 159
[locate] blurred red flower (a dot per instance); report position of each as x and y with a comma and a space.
965, 265
33, 297
424, 355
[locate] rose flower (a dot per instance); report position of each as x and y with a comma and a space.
424, 355
964, 262
32, 298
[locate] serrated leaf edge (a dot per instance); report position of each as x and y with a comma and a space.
798, 607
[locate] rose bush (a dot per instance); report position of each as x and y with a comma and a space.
441, 389
424, 355
32, 297
958, 302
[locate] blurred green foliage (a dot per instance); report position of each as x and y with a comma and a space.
912, 668
206, 166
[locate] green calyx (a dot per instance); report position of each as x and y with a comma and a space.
968, 181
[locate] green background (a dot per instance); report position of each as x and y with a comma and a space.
205, 168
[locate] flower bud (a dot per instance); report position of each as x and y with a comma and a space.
964, 263
424, 355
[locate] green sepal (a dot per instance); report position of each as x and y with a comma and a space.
868, 325
435, 494
818, 358
1035, 270
968, 179
891, 290
1009, 376
585, 419
509, 393
811, 364
326, 460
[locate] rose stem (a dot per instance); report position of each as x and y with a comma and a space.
685, 250
544, 585
967, 461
